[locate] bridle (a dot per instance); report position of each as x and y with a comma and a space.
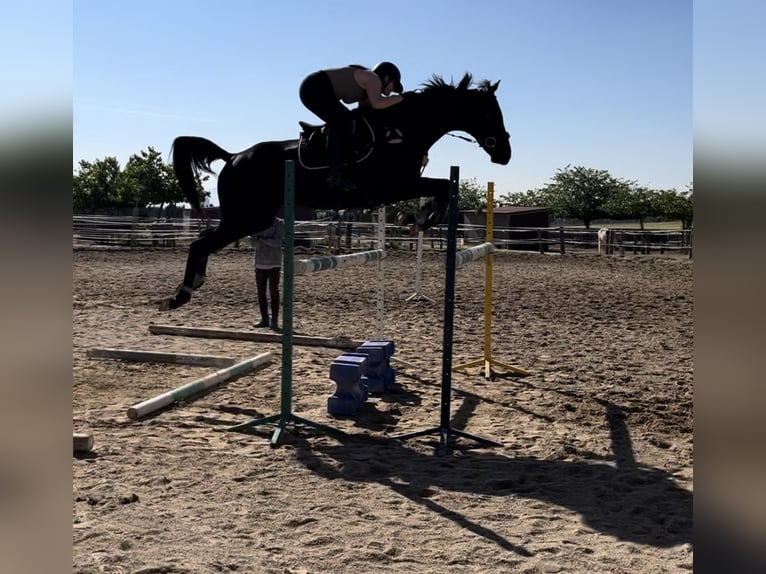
489, 142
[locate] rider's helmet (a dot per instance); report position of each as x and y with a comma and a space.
388, 72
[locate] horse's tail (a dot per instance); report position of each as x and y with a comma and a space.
190, 156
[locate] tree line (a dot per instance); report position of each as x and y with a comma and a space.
104, 186
580, 193
588, 194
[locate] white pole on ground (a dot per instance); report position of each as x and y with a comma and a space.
160, 357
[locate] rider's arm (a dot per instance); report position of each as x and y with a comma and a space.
371, 83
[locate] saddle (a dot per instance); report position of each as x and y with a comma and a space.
312, 146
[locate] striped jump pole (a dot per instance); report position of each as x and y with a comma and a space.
444, 430
486, 249
149, 406
473, 253
286, 417
303, 266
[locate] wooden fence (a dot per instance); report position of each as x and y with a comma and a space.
340, 237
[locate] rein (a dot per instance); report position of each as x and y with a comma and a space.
469, 140
488, 144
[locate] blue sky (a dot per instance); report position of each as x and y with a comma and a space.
599, 83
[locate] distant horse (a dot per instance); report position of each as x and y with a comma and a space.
603, 239
251, 183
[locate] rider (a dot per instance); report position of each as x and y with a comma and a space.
321, 91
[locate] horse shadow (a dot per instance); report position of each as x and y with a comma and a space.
623, 499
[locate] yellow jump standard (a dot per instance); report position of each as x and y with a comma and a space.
487, 361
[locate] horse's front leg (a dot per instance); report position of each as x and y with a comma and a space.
432, 213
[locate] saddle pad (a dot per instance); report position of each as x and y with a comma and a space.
312, 147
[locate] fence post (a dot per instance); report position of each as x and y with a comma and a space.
540, 241
561, 239
691, 241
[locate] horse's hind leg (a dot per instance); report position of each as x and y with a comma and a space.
433, 212
201, 267
196, 263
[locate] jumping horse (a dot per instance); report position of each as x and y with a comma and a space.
251, 182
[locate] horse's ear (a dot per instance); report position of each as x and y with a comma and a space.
493, 87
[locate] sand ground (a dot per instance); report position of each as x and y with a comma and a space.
594, 472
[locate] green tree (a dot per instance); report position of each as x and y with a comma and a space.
631, 201
148, 180
472, 195
686, 206
96, 185
672, 204
145, 180
580, 193
529, 198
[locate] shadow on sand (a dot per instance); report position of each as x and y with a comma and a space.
622, 499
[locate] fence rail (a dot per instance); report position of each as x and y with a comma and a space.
130, 232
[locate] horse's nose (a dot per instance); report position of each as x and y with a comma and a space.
502, 154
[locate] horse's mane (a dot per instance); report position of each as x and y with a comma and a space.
439, 84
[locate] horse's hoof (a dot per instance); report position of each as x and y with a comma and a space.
174, 302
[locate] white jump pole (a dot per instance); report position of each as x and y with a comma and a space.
417, 295
194, 387
381, 274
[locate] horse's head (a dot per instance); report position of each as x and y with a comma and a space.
474, 111
484, 121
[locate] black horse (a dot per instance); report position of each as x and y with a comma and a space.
251, 183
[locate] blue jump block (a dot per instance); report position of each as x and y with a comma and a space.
387, 346
342, 406
379, 376
389, 377
348, 367
350, 392
356, 359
